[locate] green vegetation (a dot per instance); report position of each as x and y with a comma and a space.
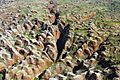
1, 75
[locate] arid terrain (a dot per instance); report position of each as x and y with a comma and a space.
60, 40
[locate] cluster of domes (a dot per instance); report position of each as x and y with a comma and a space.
54, 50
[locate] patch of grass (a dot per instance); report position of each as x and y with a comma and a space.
36, 79
109, 23
24, 10
1, 75
118, 56
82, 31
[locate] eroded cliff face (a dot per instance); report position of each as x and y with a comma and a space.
59, 47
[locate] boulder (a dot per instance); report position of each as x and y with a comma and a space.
2, 66
18, 75
18, 42
80, 53
15, 32
51, 18
27, 26
47, 74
